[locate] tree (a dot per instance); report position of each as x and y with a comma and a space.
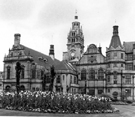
43, 82
18, 71
52, 78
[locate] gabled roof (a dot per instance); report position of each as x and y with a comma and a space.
46, 61
115, 42
128, 46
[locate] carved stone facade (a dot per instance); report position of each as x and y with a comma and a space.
75, 43
112, 74
35, 67
80, 72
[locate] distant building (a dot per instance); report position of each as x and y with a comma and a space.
113, 74
35, 68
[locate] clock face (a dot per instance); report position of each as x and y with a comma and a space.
72, 54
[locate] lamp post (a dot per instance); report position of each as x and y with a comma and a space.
107, 73
126, 95
106, 82
133, 87
121, 84
85, 86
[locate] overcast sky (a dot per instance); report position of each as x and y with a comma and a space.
45, 22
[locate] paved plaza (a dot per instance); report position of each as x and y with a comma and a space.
125, 111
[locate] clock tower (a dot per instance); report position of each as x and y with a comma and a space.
75, 42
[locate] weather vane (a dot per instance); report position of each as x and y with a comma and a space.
76, 11
115, 22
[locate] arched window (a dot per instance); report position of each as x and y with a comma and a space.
42, 74
33, 88
7, 88
75, 80
22, 71
58, 79
33, 71
37, 89
8, 72
48, 79
91, 74
115, 74
38, 74
73, 40
22, 87
70, 79
100, 74
83, 74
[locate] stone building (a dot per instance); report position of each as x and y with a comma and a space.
75, 43
88, 72
35, 69
112, 74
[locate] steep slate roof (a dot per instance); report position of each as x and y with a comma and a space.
128, 46
115, 41
65, 66
59, 65
35, 54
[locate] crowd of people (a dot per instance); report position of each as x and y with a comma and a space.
52, 102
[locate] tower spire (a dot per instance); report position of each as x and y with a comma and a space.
76, 17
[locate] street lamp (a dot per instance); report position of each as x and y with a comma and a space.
106, 75
133, 88
85, 86
121, 85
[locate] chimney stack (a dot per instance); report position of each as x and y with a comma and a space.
51, 52
17, 39
100, 49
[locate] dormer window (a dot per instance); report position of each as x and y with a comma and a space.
45, 60
42, 59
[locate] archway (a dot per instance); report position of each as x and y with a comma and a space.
7, 88
22, 88
115, 95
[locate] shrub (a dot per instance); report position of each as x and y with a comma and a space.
129, 101
54, 102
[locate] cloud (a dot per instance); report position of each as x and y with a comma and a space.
56, 13
15, 9
119, 8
